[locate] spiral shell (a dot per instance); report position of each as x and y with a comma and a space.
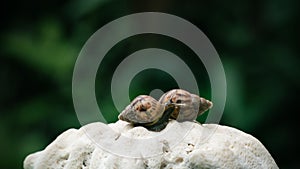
189, 106
143, 109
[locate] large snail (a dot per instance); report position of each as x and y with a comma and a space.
154, 115
188, 106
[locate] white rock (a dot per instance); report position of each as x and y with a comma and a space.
204, 146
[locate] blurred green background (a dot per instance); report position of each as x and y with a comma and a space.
258, 43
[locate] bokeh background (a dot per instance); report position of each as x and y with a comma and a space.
258, 43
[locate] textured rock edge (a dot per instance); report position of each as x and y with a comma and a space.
227, 147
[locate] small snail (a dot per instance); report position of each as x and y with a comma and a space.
154, 115
148, 112
188, 106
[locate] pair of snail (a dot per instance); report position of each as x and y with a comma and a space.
154, 115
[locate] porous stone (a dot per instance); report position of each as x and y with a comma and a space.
204, 146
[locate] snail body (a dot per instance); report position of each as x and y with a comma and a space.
154, 115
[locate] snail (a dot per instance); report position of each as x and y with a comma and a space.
147, 112
188, 106
154, 115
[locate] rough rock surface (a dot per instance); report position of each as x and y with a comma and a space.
224, 147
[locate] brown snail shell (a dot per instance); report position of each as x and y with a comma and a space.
143, 109
154, 115
188, 106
